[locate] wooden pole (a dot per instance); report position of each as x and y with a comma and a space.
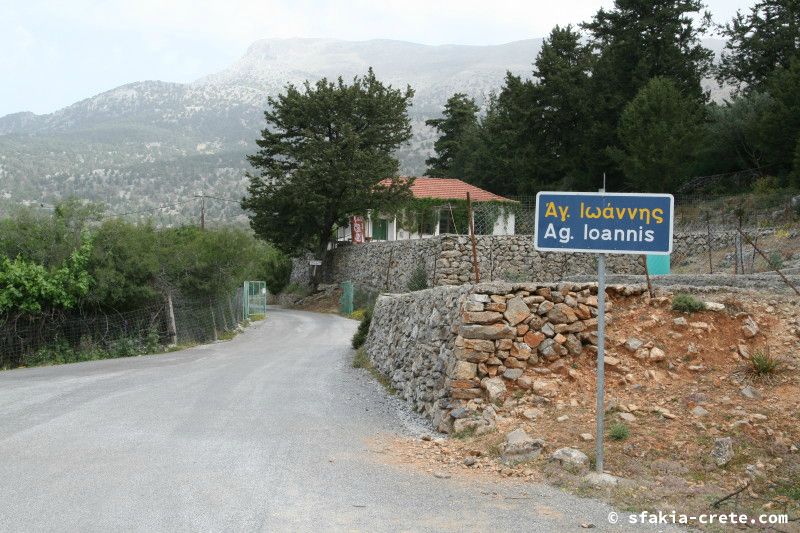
708, 243
471, 223
756, 248
647, 276
171, 329
202, 210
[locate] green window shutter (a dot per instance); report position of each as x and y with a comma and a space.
380, 229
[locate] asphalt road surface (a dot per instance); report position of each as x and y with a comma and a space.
267, 432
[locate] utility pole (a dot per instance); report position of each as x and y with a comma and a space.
202, 210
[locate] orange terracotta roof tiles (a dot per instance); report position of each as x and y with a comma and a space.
451, 189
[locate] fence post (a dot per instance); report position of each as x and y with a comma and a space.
708, 243
172, 331
213, 321
471, 226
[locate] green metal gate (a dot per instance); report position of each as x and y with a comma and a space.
346, 301
255, 298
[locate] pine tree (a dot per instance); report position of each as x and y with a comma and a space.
658, 131
457, 129
758, 43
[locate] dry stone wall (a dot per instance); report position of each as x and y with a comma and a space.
447, 260
445, 348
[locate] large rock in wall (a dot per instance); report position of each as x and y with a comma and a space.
445, 347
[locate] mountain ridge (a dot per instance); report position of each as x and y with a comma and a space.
152, 142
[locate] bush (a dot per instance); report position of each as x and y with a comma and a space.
687, 303
360, 336
277, 269
619, 431
776, 260
763, 364
418, 280
766, 185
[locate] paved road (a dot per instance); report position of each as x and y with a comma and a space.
267, 432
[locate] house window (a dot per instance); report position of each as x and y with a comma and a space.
446, 221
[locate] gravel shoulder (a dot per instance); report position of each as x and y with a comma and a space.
271, 431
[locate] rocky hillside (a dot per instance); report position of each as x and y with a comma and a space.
151, 143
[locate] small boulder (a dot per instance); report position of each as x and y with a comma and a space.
723, 451
657, 354
521, 447
495, 388
749, 328
700, 411
512, 374
570, 457
714, 306
750, 392
633, 344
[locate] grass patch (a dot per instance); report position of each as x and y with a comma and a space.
257, 317
358, 314
687, 303
464, 434
619, 431
763, 364
227, 335
360, 336
361, 360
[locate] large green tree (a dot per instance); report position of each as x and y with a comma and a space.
457, 129
324, 155
659, 130
636, 41
759, 42
781, 121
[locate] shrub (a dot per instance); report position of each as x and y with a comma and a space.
361, 360
358, 314
277, 269
776, 260
687, 303
619, 431
298, 289
763, 364
360, 336
766, 184
418, 280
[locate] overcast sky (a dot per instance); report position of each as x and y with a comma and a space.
57, 52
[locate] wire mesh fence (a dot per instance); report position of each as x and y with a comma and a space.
81, 335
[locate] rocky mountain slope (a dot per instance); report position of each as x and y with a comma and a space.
152, 143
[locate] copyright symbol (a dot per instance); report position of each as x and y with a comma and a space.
613, 517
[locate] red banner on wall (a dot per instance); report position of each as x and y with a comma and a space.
357, 229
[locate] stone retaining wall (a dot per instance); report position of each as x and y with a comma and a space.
444, 347
447, 260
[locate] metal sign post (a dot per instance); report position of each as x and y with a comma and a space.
601, 361
602, 223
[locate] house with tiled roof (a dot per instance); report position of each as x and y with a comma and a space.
438, 207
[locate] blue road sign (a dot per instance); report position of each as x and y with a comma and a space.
613, 223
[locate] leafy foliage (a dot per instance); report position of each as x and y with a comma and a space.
687, 303
30, 288
360, 336
457, 128
322, 157
619, 431
759, 42
658, 131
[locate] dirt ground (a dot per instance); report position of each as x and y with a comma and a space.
674, 411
